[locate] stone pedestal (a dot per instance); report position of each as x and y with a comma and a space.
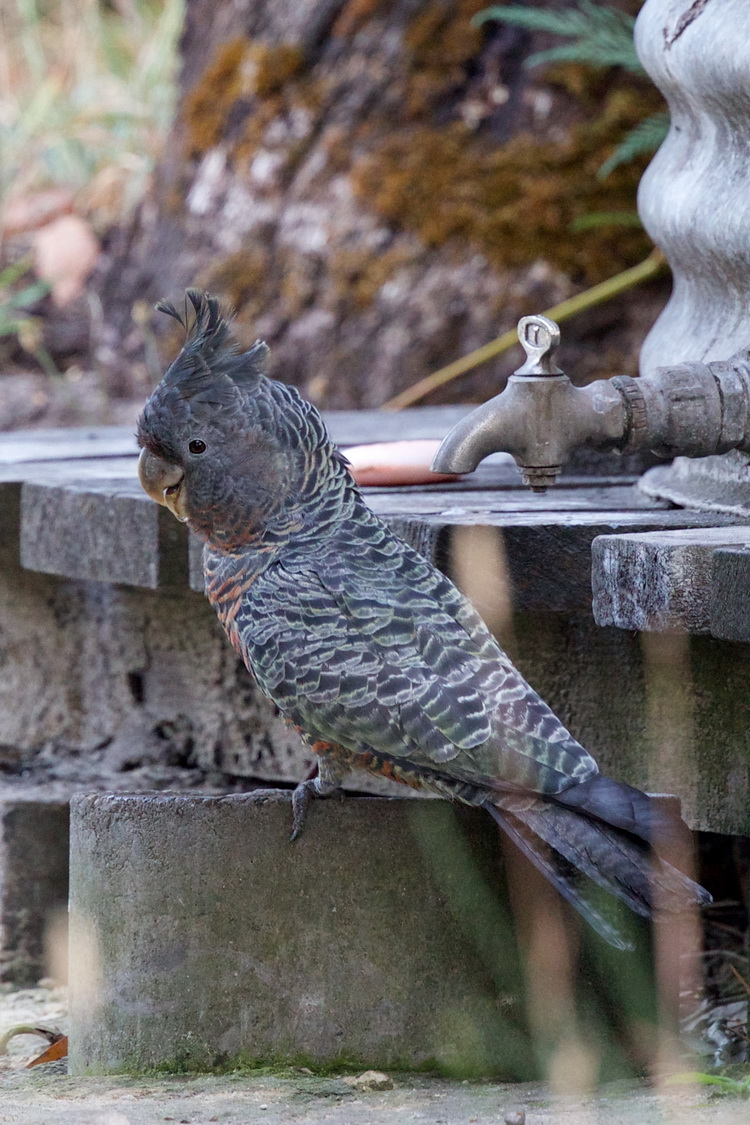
201, 937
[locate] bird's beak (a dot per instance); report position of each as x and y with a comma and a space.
163, 482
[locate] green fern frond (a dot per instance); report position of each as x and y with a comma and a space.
600, 36
644, 139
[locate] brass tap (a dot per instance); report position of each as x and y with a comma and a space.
540, 417
689, 409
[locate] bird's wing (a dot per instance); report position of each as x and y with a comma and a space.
379, 652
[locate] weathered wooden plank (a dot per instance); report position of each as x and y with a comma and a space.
730, 594
93, 468
347, 427
455, 504
96, 524
543, 561
660, 580
72, 444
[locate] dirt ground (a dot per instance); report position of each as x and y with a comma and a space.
46, 1095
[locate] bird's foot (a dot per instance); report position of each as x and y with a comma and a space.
301, 798
328, 781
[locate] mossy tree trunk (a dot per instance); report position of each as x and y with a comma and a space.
377, 187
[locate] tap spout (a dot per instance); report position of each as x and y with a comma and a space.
488, 429
539, 418
691, 409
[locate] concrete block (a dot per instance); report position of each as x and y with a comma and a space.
730, 594
104, 530
659, 580
33, 882
201, 937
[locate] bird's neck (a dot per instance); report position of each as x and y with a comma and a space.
326, 499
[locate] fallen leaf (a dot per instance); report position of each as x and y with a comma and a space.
56, 1050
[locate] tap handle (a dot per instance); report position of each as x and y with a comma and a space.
539, 337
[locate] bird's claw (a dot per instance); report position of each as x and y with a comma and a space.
325, 784
301, 798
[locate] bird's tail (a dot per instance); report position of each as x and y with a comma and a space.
574, 850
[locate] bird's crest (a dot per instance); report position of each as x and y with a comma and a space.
210, 354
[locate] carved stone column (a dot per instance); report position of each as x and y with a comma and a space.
694, 200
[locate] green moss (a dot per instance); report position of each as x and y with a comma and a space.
516, 202
274, 66
208, 104
447, 184
241, 69
439, 43
195, 1061
442, 35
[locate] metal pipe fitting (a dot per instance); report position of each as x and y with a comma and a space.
693, 409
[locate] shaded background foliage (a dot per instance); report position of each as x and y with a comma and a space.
377, 186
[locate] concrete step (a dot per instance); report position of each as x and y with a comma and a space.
201, 937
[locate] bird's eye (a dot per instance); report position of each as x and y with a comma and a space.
197, 446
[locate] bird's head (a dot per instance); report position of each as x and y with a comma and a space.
226, 449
